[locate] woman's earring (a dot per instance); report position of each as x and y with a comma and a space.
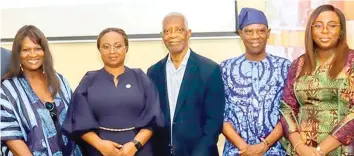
21, 67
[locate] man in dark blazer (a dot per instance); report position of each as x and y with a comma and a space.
5, 61
191, 95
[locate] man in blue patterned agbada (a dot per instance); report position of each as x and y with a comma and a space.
253, 87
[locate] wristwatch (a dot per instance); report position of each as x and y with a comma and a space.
137, 144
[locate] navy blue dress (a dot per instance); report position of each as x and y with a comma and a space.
97, 102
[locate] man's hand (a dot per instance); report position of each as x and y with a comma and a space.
255, 150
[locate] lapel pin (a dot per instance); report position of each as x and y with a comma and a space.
128, 86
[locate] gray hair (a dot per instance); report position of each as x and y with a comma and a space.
175, 14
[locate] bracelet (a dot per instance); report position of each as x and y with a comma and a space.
297, 144
318, 148
265, 142
137, 144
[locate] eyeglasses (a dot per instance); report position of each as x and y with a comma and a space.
51, 108
106, 48
329, 26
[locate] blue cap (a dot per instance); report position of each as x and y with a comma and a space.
249, 16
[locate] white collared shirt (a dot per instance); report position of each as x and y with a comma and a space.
174, 79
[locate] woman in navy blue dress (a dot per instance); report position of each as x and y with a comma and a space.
115, 109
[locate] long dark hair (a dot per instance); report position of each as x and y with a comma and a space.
37, 37
342, 49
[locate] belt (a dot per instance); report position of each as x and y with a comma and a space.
117, 130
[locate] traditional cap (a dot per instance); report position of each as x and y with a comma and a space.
249, 16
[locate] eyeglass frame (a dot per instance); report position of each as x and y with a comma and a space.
113, 48
327, 26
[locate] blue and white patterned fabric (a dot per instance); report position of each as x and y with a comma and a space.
252, 91
24, 116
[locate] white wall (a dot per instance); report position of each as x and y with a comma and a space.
134, 16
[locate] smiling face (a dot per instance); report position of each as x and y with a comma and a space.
326, 30
175, 34
254, 37
113, 50
31, 55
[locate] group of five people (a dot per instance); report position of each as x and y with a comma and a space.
185, 100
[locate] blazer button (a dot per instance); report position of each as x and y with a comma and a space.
172, 150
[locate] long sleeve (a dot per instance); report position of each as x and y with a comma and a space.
80, 118
343, 132
214, 107
152, 115
10, 127
228, 111
289, 106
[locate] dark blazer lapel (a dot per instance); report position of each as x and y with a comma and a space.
188, 79
162, 87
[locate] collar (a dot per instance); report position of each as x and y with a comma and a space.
185, 59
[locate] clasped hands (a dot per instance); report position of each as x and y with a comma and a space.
110, 148
254, 150
304, 150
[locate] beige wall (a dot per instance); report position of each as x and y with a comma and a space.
73, 60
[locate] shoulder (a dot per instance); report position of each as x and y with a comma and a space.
64, 85
138, 71
87, 79
232, 62
10, 82
298, 61
203, 61
90, 75
351, 57
296, 66
156, 67
11, 87
206, 66
141, 76
62, 78
5, 61
6, 83
5, 54
350, 62
279, 60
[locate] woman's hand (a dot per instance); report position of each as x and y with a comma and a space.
109, 148
129, 149
304, 150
